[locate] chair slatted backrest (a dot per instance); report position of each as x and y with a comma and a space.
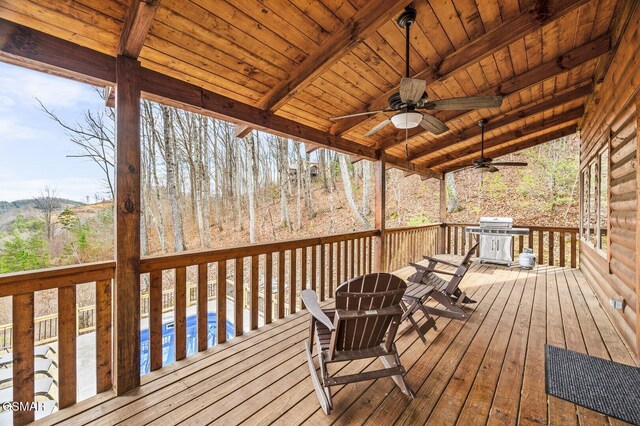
462, 269
357, 326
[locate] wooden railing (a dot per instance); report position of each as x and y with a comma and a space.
278, 270
552, 245
404, 245
265, 278
23, 287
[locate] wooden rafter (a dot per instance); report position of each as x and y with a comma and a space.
136, 26
564, 63
364, 23
543, 12
541, 125
41, 51
511, 117
499, 151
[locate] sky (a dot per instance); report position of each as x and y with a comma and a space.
33, 148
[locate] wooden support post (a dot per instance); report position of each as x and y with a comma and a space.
443, 215
126, 300
379, 240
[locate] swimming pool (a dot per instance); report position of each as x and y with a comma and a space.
169, 341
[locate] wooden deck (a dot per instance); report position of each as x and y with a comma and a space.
487, 369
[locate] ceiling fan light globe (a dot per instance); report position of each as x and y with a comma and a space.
407, 120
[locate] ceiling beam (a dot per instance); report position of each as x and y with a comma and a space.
109, 95
500, 151
34, 49
241, 130
136, 26
453, 139
562, 64
543, 12
365, 22
169, 90
570, 116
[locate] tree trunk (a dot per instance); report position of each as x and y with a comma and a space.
366, 185
251, 185
453, 204
283, 178
172, 184
348, 191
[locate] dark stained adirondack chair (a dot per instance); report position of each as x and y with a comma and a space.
425, 285
363, 325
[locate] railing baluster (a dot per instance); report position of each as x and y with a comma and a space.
221, 303
338, 265
370, 255
541, 247
574, 251
181, 313
330, 271
530, 241
323, 266
363, 257
293, 282
23, 363
155, 320
103, 336
268, 282
562, 248
314, 269
254, 307
304, 275
203, 306
67, 346
238, 310
281, 274
351, 263
551, 248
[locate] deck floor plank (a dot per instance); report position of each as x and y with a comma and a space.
486, 369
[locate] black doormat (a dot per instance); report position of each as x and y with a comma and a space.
605, 386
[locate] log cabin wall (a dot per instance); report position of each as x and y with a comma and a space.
609, 184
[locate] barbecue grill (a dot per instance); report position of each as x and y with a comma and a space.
496, 239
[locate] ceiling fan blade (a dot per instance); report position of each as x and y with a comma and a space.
412, 90
358, 114
470, 102
510, 164
433, 124
377, 128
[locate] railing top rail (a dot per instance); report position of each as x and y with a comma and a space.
63, 276
522, 225
411, 228
197, 257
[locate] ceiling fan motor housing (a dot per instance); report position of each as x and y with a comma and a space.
407, 17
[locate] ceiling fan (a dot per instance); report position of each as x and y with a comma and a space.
411, 99
486, 164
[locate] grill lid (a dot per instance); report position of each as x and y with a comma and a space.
496, 222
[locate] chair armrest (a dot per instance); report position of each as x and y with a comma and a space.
433, 259
453, 274
311, 303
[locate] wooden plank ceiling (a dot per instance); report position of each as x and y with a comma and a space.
310, 60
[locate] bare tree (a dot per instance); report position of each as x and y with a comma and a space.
172, 178
95, 136
348, 191
48, 202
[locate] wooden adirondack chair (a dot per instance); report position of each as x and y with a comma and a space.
363, 325
425, 284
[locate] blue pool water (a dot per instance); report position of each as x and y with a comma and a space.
169, 340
